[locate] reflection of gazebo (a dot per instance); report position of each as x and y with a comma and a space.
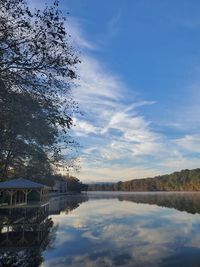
24, 234
18, 192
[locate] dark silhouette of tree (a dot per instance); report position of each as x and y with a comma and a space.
37, 67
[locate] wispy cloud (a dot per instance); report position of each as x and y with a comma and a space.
77, 36
115, 173
190, 142
113, 25
112, 128
118, 141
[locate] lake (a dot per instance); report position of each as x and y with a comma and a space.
107, 229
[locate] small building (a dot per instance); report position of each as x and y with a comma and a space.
60, 186
20, 192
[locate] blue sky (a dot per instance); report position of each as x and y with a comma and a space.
139, 86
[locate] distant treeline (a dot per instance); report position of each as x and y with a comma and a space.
185, 180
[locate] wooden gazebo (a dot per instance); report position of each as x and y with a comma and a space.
20, 192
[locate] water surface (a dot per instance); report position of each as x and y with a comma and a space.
119, 229
141, 229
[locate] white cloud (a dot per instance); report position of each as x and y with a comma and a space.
77, 35
95, 81
190, 142
84, 127
100, 96
114, 173
134, 127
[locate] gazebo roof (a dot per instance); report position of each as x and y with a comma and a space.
20, 184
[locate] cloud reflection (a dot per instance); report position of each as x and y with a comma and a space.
109, 232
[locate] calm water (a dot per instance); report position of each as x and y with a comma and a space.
107, 229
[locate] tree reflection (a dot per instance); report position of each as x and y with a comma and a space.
24, 234
66, 203
189, 202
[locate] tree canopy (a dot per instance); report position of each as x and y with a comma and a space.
37, 68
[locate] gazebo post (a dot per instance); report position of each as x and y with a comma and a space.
26, 196
11, 197
15, 197
3, 196
40, 195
